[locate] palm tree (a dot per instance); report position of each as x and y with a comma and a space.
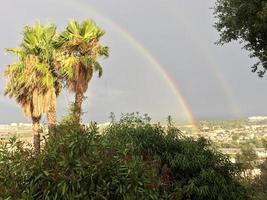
32, 81
77, 59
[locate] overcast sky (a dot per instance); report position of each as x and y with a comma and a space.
216, 82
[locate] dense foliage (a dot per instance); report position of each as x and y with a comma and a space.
129, 159
246, 22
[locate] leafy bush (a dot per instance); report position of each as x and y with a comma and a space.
129, 159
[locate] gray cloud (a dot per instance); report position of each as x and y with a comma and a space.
215, 81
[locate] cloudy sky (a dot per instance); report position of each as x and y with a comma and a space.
156, 46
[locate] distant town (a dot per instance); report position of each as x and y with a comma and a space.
231, 135
228, 135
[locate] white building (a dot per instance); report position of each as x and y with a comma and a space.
257, 118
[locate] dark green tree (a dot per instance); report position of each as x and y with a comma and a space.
244, 21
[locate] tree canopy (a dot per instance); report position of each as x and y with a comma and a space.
31, 80
244, 21
78, 53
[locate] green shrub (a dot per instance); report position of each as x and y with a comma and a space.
131, 159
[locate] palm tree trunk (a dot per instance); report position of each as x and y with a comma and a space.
78, 105
36, 135
51, 119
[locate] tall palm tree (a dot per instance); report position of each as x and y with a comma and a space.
78, 52
32, 81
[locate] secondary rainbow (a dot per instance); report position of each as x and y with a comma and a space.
201, 44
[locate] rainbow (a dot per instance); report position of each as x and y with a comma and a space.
209, 56
147, 54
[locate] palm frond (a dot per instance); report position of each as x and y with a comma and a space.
32, 79
98, 68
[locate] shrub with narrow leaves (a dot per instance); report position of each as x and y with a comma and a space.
130, 159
